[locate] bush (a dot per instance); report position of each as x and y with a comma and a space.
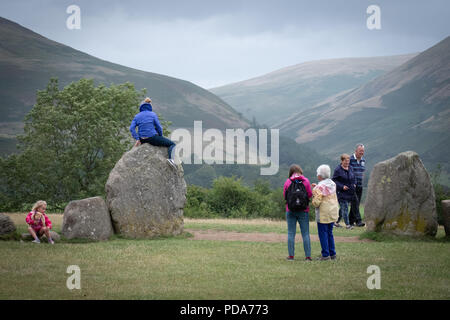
229, 198
196, 206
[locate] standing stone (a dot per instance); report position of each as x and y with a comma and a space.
145, 195
87, 219
400, 197
446, 216
6, 225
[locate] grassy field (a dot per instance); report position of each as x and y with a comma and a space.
182, 268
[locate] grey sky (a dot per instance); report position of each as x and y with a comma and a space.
212, 43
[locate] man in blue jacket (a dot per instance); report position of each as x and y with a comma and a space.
150, 130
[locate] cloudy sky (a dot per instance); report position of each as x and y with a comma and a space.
212, 42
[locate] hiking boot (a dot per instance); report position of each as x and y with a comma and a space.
290, 258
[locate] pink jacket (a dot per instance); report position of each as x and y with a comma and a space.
38, 224
305, 182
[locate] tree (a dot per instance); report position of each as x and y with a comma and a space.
72, 139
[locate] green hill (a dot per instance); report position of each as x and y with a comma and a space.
273, 97
407, 108
28, 60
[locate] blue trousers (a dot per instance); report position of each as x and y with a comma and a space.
343, 211
303, 220
326, 238
160, 141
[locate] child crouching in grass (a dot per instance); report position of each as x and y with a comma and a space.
38, 222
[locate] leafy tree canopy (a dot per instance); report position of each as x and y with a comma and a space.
72, 139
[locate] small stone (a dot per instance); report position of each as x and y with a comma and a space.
55, 236
6, 225
400, 197
87, 219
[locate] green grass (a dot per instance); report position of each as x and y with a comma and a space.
261, 225
258, 225
182, 268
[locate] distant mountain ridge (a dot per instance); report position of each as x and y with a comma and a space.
407, 108
273, 97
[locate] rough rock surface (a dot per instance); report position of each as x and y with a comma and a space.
87, 219
400, 197
6, 225
145, 195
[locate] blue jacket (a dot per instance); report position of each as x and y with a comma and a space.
147, 122
343, 178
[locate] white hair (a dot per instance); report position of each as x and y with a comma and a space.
324, 171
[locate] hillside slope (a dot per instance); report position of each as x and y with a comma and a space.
407, 108
273, 97
28, 60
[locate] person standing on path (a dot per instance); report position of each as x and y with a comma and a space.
358, 165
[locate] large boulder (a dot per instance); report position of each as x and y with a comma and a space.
87, 219
6, 225
400, 197
145, 194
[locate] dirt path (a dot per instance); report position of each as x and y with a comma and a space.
258, 237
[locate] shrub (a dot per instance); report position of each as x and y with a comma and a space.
196, 206
229, 198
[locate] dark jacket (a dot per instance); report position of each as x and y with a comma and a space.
343, 178
358, 169
147, 122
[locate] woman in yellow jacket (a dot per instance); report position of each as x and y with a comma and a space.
327, 210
